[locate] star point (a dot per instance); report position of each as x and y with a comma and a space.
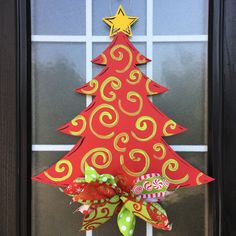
120, 22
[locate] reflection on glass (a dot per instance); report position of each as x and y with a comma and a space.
60, 17
57, 70
98, 48
172, 17
108, 8
187, 208
182, 67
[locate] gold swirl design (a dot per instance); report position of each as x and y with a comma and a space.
133, 157
60, 168
147, 87
115, 84
140, 58
131, 96
94, 85
173, 165
159, 147
101, 117
198, 178
171, 124
120, 56
124, 138
141, 125
135, 77
104, 58
74, 122
102, 152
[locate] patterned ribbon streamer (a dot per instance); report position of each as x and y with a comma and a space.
104, 195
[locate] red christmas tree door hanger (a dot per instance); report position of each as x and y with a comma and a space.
121, 130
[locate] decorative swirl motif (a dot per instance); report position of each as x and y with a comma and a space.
140, 59
171, 124
115, 84
104, 58
173, 165
94, 154
60, 168
141, 125
135, 158
198, 178
120, 56
147, 87
134, 100
134, 77
101, 117
94, 85
124, 138
157, 148
74, 122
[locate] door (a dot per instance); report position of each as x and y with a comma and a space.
170, 34
65, 37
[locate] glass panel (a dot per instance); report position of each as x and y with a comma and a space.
57, 69
108, 8
98, 48
62, 17
186, 208
52, 213
180, 17
182, 67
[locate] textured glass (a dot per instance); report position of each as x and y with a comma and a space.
57, 70
98, 48
61, 17
182, 67
172, 17
52, 214
187, 207
104, 8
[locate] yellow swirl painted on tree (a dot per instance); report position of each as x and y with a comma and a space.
139, 59
173, 165
94, 85
74, 122
141, 125
147, 87
60, 168
135, 158
198, 178
115, 84
94, 154
124, 138
101, 117
157, 148
171, 124
131, 96
121, 56
104, 58
135, 77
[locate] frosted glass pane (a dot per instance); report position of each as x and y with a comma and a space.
172, 17
61, 17
104, 8
57, 70
187, 207
182, 67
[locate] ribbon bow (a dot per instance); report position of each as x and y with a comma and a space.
104, 195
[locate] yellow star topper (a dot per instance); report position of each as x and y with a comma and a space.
120, 22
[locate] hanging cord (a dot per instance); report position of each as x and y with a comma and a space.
120, 2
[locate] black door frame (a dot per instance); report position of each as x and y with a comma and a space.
15, 117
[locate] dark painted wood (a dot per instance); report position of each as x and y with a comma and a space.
229, 120
24, 117
8, 72
215, 96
